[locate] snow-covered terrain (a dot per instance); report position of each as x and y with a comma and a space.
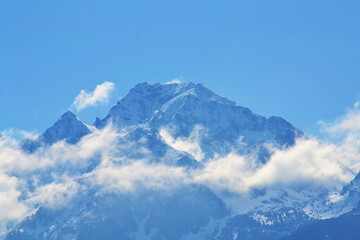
172, 161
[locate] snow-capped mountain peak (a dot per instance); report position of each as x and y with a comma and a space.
183, 106
144, 99
68, 127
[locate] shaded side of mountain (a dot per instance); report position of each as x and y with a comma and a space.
68, 127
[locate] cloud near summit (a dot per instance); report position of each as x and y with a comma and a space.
53, 175
100, 95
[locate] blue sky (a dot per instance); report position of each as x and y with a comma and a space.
295, 59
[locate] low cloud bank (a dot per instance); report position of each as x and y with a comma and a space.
307, 162
46, 177
52, 176
11, 208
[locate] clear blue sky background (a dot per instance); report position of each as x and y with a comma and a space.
295, 59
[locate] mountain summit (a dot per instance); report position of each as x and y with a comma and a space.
183, 106
145, 100
187, 104
68, 127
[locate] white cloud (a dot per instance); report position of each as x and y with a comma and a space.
347, 124
11, 208
13, 133
15, 161
18, 169
127, 178
100, 95
309, 161
189, 145
177, 80
230, 172
55, 194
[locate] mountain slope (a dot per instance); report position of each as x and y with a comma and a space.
68, 127
172, 127
155, 214
344, 226
225, 125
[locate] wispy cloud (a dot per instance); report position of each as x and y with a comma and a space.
189, 145
14, 161
349, 123
55, 194
11, 208
129, 177
101, 94
175, 80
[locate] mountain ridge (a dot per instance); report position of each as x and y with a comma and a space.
182, 107
201, 121
68, 127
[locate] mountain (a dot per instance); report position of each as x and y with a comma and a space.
182, 107
68, 127
188, 104
148, 215
343, 226
169, 132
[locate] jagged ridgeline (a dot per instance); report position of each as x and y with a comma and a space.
182, 128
